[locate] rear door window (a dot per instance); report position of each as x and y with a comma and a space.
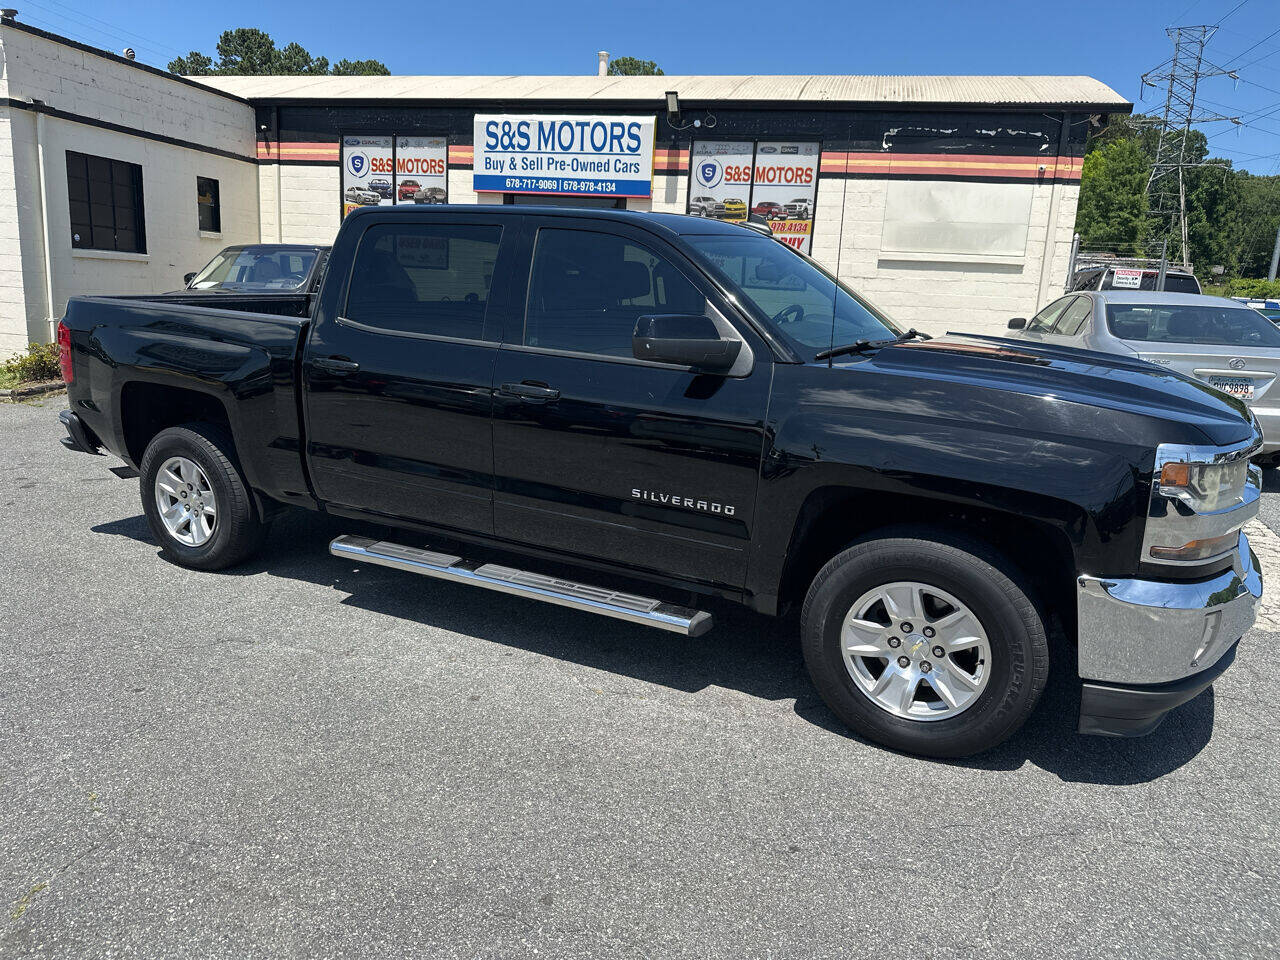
424, 279
587, 290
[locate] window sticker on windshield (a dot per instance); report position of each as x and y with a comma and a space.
1127, 280
431, 253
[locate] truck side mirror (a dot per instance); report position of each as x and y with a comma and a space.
1017, 323
691, 340
186, 280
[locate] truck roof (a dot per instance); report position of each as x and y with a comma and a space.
675, 223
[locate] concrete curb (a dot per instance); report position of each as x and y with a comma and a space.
24, 390
1266, 545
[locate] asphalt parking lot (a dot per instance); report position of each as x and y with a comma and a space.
306, 758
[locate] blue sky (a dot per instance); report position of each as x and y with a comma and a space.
1114, 41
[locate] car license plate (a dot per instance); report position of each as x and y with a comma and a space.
1241, 387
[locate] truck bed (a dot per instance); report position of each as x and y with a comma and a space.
132, 350
275, 304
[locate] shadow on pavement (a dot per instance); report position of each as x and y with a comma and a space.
757, 655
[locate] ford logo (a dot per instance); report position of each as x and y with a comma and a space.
1235, 363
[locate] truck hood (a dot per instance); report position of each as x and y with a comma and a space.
1073, 376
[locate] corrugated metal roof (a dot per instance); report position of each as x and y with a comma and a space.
1063, 91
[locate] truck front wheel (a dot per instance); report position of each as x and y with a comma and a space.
197, 503
924, 645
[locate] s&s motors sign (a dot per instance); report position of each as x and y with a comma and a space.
539, 153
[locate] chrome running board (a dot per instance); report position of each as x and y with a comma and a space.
522, 583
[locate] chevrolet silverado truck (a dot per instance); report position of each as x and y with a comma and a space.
629, 414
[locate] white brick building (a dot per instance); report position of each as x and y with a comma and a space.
948, 201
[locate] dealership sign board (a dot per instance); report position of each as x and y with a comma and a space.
777, 180
566, 155
784, 188
381, 171
421, 165
720, 172
367, 172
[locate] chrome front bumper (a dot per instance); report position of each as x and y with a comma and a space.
1155, 631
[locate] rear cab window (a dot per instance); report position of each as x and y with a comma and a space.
1173, 282
424, 279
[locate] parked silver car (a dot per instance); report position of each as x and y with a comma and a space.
1226, 344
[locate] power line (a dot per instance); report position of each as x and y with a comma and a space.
1254, 47
106, 26
1231, 11
92, 35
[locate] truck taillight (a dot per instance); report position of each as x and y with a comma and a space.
64, 352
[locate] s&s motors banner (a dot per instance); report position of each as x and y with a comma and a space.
777, 180
366, 172
785, 188
720, 179
538, 153
422, 170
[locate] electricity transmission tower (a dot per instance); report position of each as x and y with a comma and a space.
1179, 75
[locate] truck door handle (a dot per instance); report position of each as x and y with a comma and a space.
530, 390
338, 366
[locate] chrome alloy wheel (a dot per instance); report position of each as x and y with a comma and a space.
915, 651
186, 502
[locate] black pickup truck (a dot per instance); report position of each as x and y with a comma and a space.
673, 408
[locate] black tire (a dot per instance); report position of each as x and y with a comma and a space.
238, 530
973, 574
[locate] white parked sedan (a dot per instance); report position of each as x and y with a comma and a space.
1226, 344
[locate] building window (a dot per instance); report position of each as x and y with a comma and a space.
207, 204
105, 197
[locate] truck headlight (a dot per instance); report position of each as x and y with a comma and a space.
1200, 499
1204, 487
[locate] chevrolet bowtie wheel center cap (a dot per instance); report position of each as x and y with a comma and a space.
916, 651
185, 501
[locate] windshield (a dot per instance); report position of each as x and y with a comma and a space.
1179, 323
798, 297
256, 268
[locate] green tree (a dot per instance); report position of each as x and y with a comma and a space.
1257, 215
294, 59
632, 67
194, 64
360, 68
1112, 214
247, 50
1213, 194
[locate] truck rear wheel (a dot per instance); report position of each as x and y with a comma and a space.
197, 503
926, 646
